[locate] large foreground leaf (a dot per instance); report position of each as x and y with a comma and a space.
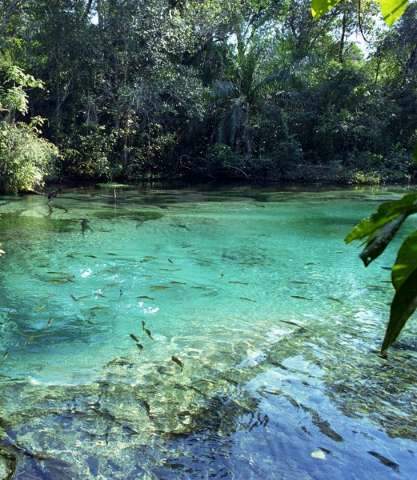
320, 7
403, 306
378, 242
406, 261
379, 229
392, 10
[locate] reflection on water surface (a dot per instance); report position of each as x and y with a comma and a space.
187, 334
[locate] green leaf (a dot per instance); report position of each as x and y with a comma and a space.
386, 213
402, 307
406, 261
320, 7
380, 239
392, 10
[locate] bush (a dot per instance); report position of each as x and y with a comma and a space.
375, 168
25, 158
152, 157
360, 177
87, 156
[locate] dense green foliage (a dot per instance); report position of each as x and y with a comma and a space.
25, 158
253, 89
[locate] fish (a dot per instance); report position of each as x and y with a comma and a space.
323, 425
147, 258
139, 345
299, 282
60, 281
159, 287
299, 297
90, 256
180, 225
236, 282
134, 337
85, 225
5, 354
288, 322
148, 332
376, 287
60, 278
177, 361
310, 263
229, 380
248, 299
384, 460
192, 387
145, 297
170, 261
97, 307
173, 282
120, 292
49, 322
118, 362
334, 299
76, 299
147, 407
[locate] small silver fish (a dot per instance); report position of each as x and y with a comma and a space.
134, 337
148, 332
177, 361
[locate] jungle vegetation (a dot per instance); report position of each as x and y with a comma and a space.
132, 90
129, 90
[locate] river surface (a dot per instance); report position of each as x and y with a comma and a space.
192, 334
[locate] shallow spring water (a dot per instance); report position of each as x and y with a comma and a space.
255, 330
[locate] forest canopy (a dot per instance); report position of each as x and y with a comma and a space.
254, 89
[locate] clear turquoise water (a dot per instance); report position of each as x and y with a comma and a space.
274, 321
